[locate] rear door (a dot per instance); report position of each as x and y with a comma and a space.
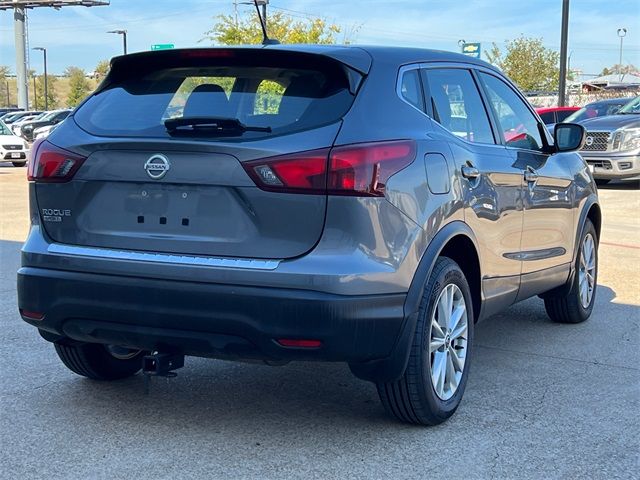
492, 184
143, 186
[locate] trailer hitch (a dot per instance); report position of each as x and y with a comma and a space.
160, 365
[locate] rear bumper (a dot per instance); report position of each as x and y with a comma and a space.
210, 320
607, 166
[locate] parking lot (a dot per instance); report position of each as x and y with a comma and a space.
544, 400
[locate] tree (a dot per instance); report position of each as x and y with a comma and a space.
102, 69
5, 71
51, 91
528, 63
229, 31
78, 86
620, 69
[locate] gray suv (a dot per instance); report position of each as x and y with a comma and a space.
366, 205
612, 144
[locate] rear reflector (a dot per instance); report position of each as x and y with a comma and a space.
299, 343
52, 164
357, 170
31, 315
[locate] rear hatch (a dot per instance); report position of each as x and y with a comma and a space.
162, 158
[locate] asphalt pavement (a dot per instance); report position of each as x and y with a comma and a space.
543, 400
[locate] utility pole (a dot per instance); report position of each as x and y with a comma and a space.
124, 38
21, 57
8, 95
20, 33
622, 32
562, 88
46, 79
261, 3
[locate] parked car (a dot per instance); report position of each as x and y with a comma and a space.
12, 117
553, 115
43, 132
612, 145
12, 148
322, 207
50, 118
17, 124
601, 108
4, 111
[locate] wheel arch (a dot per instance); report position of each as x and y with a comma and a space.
455, 240
595, 215
590, 211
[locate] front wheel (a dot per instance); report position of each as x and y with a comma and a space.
576, 305
433, 383
100, 362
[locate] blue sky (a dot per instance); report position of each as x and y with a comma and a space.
76, 35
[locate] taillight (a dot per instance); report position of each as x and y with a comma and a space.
52, 164
304, 172
358, 170
364, 169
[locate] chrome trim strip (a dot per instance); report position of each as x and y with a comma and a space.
94, 252
536, 254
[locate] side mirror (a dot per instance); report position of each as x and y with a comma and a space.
568, 137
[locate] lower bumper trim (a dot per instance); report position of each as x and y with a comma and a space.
210, 320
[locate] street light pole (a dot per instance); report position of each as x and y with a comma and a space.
46, 78
562, 88
35, 94
622, 32
124, 38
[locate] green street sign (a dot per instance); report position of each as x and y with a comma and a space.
162, 46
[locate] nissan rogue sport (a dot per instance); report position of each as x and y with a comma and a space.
366, 205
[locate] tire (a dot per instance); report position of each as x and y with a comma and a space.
602, 182
19, 164
93, 360
573, 306
413, 398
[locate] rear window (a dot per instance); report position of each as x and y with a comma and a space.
277, 96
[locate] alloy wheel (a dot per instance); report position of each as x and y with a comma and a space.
587, 270
448, 341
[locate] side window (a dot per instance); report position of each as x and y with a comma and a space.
563, 114
457, 105
518, 125
548, 117
410, 88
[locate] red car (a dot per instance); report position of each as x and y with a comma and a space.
551, 115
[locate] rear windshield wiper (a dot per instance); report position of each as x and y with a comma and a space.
219, 125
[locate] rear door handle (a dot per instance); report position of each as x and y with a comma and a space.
470, 172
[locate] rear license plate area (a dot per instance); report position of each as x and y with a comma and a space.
163, 208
